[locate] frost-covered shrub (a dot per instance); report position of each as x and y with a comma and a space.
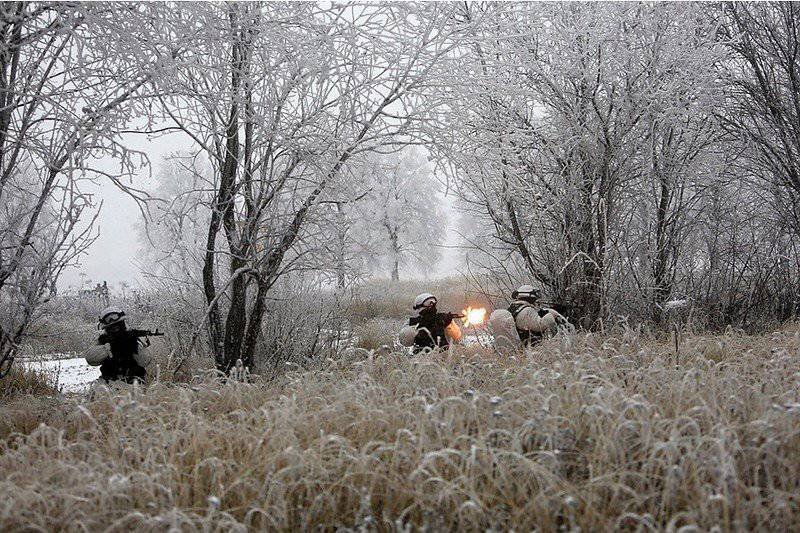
303, 324
377, 332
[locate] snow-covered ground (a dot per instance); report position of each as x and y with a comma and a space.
71, 375
479, 337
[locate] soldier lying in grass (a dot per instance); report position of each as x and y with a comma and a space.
525, 322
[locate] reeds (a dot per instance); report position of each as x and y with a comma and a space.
589, 432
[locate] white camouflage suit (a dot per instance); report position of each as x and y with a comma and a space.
522, 323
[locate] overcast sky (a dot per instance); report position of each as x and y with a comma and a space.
113, 257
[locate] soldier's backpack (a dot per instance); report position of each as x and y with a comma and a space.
504, 330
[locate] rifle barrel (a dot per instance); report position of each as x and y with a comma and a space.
147, 333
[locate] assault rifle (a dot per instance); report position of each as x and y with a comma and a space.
553, 305
451, 316
135, 333
145, 333
559, 308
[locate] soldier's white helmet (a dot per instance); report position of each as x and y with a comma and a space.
525, 292
424, 300
111, 315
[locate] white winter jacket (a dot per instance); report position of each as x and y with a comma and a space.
98, 353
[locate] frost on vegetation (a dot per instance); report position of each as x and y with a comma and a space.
363, 446
789, 407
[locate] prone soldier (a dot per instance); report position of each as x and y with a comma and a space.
525, 322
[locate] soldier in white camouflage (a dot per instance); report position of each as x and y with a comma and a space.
120, 352
429, 329
525, 321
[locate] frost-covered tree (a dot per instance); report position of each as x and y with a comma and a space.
281, 97
402, 213
172, 242
764, 95
580, 135
342, 252
71, 75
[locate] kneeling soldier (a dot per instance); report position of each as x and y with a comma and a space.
119, 351
429, 329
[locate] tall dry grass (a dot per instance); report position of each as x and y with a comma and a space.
58, 335
589, 432
24, 382
378, 333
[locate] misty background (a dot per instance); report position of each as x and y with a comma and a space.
114, 255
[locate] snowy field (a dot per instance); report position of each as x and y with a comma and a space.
71, 375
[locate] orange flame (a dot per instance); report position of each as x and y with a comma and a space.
474, 317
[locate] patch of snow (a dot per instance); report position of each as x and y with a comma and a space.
71, 375
792, 407
675, 304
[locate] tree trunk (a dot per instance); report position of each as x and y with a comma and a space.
341, 250
394, 243
661, 286
227, 344
254, 325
